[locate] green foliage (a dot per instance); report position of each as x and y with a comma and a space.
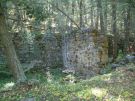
120, 56
4, 72
106, 69
4, 75
35, 9
113, 86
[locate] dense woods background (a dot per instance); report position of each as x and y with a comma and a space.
82, 37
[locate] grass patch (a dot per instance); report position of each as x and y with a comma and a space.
115, 86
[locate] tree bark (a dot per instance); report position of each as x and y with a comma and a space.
127, 24
97, 18
99, 5
105, 16
10, 52
91, 14
114, 32
81, 13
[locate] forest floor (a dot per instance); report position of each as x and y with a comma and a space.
117, 85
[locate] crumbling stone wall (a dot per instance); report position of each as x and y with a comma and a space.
50, 49
52, 56
86, 51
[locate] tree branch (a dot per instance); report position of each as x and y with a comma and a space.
64, 14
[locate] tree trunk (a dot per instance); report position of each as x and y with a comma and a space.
97, 18
81, 13
127, 24
10, 52
114, 32
105, 16
99, 5
91, 14
73, 12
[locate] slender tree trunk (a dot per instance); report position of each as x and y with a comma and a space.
114, 32
97, 19
81, 13
105, 16
91, 14
127, 24
73, 11
86, 17
10, 52
99, 5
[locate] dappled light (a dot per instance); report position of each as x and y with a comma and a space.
67, 50
8, 86
98, 92
107, 77
49, 76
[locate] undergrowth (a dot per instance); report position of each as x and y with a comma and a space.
114, 86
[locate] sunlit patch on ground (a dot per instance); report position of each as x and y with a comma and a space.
8, 86
99, 92
86, 94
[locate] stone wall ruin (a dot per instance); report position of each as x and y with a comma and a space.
81, 51
85, 51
